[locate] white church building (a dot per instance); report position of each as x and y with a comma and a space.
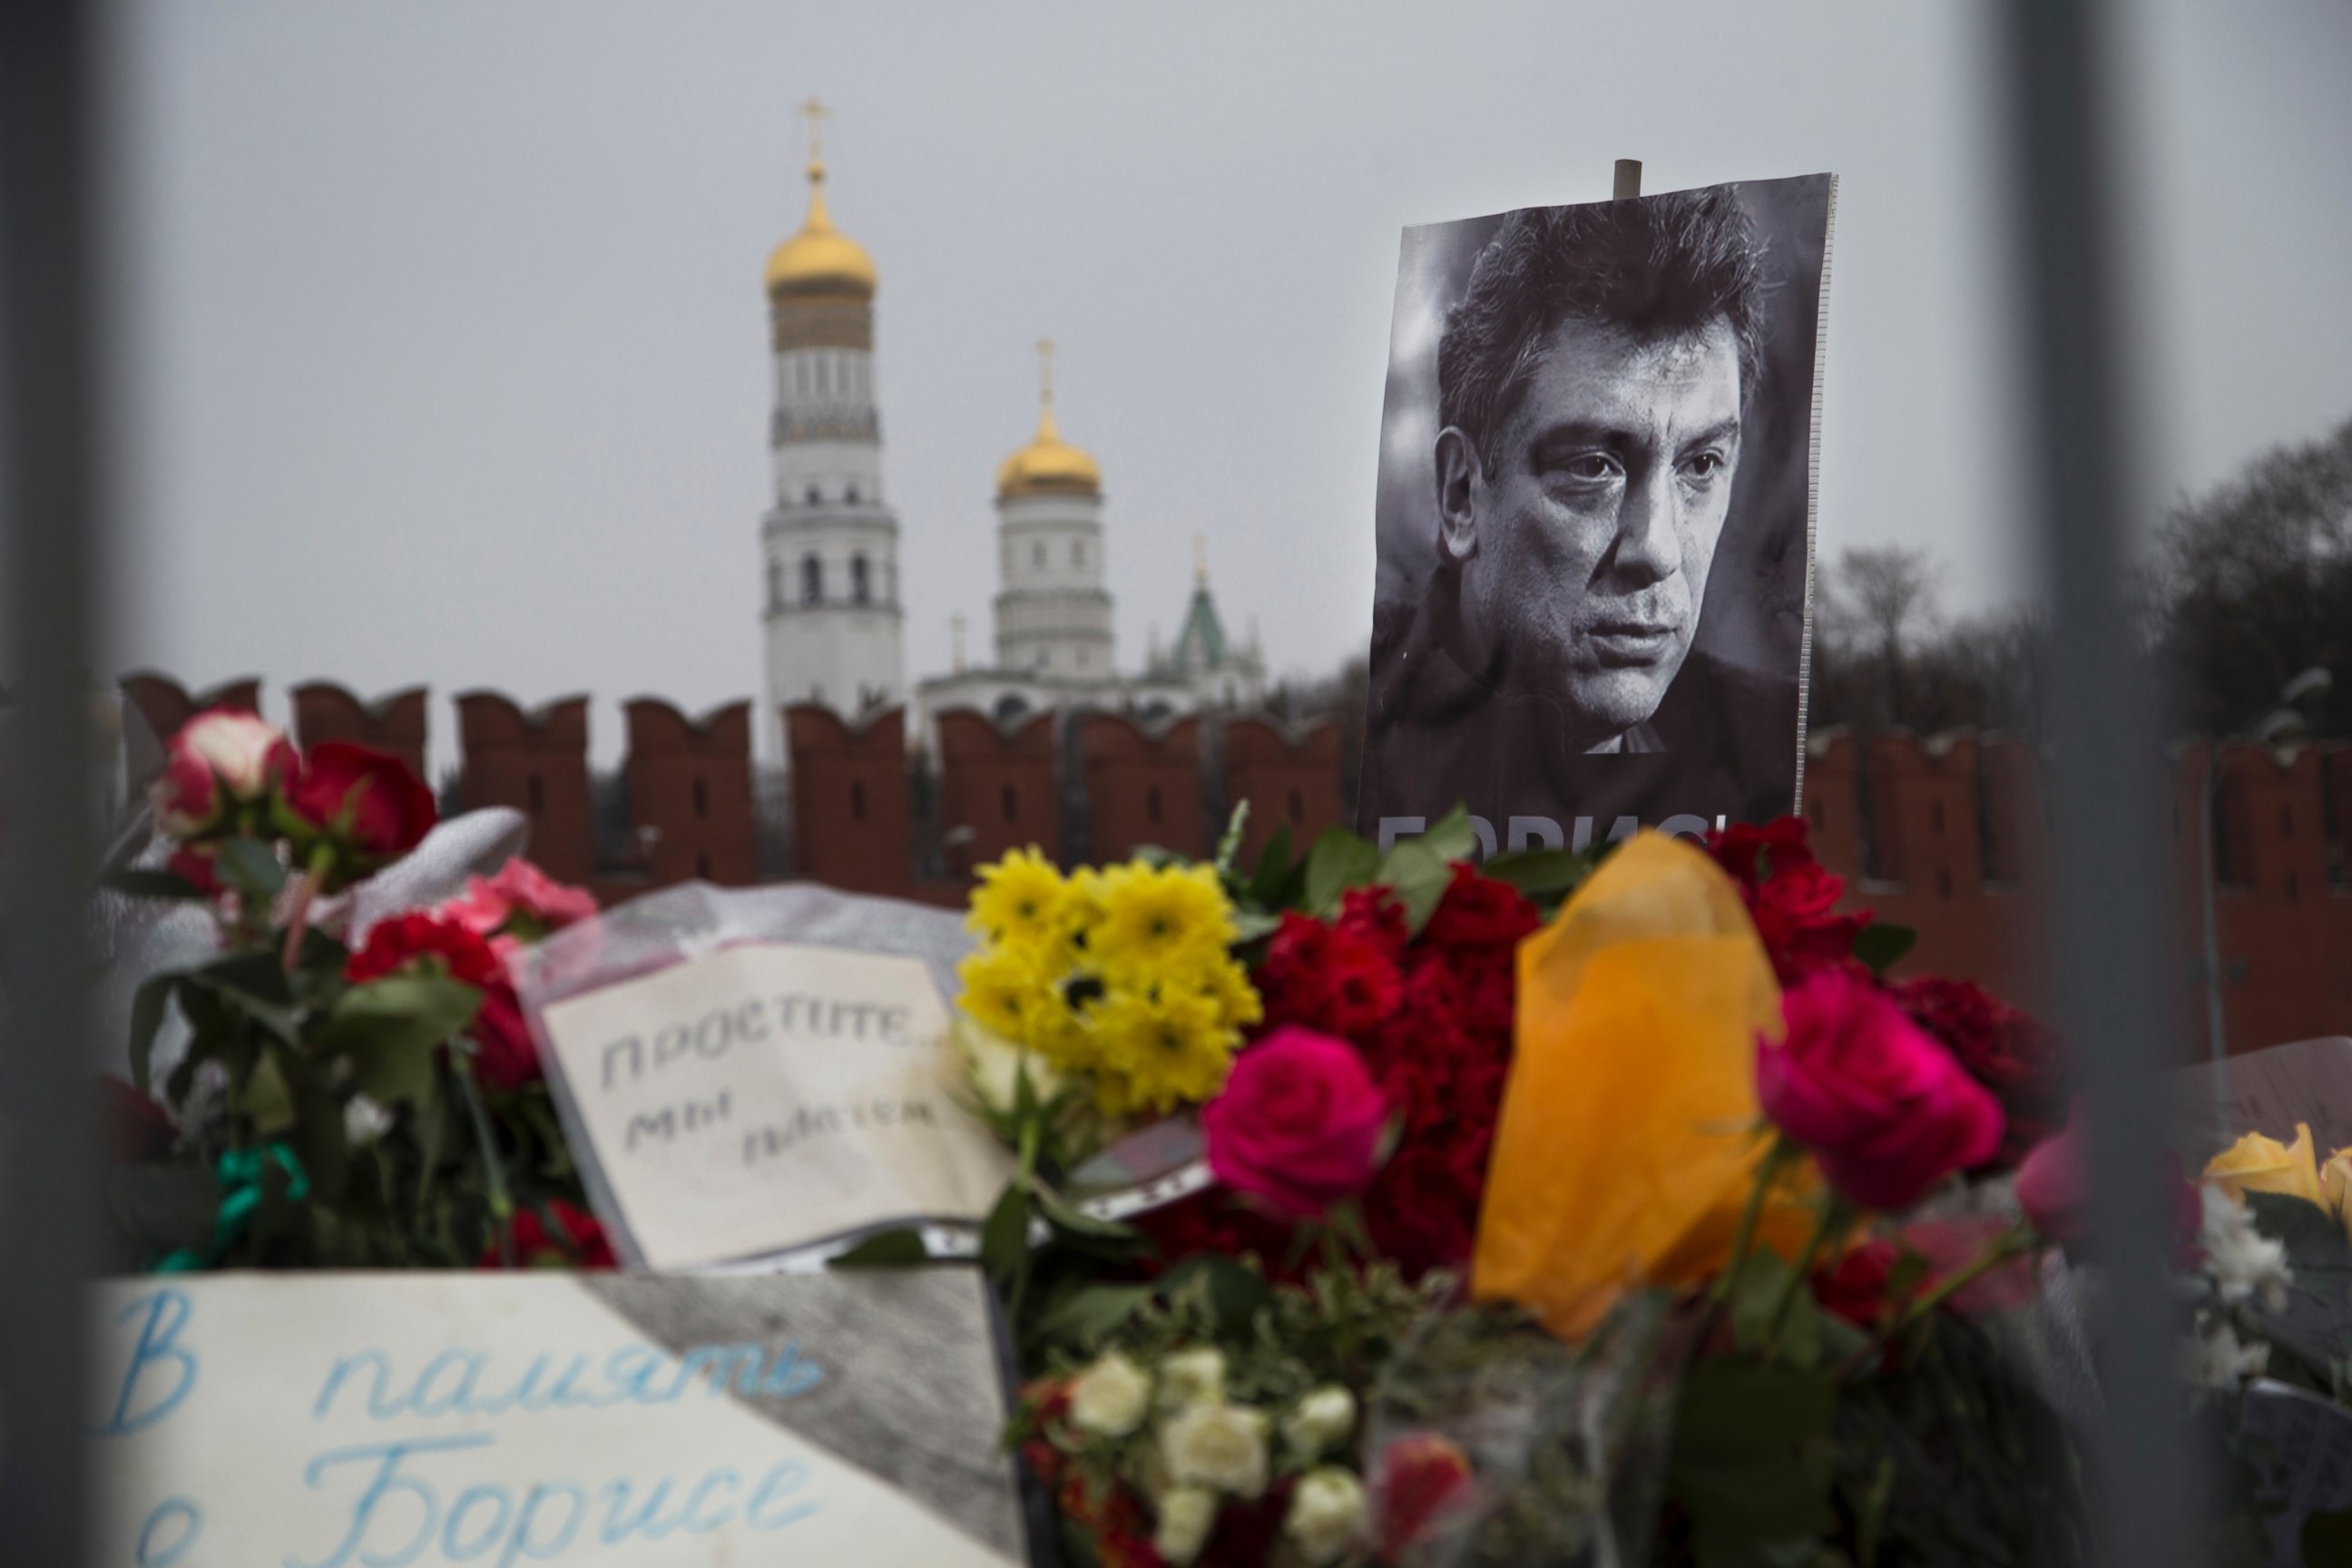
834, 621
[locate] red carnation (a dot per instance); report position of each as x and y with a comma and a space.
364, 803
1478, 911
576, 1240
1790, 896
2008, 1051
1855, 1287
420, 942
1422, 1483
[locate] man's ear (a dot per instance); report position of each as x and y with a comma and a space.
1458, 476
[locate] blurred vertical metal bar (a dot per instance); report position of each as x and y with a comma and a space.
2059, 55
48, 1183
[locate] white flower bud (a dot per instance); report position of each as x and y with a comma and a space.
1217, 1445
1192, 1377
1187, 1515
1112, 1398
1328, 1518
1323, 1420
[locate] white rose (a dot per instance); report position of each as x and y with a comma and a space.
998, 1066
1328, 1518
1219, 1446
1110, 1397
1192, 1377
1186, 1516
1323, 1419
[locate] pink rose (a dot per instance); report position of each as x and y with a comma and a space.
2052, 1187
365, 803
1298, 1124
1886, 1110
219, 760
521, 903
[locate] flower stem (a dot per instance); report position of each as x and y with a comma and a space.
2019, 1238
1834, 1217
494, 1176
298, 918
1781, 1152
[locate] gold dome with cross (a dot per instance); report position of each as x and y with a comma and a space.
1047, 466
820, 262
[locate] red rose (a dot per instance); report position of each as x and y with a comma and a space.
2008, 1051
1790, 896
218, 760
367, 803
2053, 1188
1420, 1483
576, 1240
1854, 1287
416, 942
1886, 1110
1478, 911
1298, 1125
198, 864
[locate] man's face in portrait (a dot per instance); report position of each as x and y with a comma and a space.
1585, 544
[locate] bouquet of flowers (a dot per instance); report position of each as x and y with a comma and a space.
337, 1103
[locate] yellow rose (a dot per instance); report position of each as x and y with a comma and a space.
2336, 1186
2255, 1163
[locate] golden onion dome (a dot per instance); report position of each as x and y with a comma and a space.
820, 261
1047, 466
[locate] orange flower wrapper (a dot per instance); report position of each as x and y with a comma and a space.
1627, 1143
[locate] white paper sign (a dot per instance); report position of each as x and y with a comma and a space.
767, 1096
384, 1420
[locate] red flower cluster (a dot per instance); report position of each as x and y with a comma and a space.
417, 941
2021, 1060
1432, 1016
1790, 896
576, 1240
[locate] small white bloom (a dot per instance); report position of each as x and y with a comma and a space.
1192, 1377
2239, 1259
1187, 1514
1218, 1446
1328, 1517
1323, 1419
365, 1120
2218, 1359
1110, 1397
997, 1067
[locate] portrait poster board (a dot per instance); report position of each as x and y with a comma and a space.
1595, 512
327, 1420
751, 1075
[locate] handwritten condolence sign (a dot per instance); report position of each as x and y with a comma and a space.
389, 1420
766, 1096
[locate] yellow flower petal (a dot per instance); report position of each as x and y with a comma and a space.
2256, 1163
2336, 1186
1626, 1145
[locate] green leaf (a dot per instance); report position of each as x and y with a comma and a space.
1251, 924
391, 1068
884, 1250
1339, 861
1229, 846
1076, 1222
251, 865
266, 1098
133, 882
1087, 1316
1539, 873
1236, 1292
1273, 868
148, 1004
1005, 1237
1751, 1459
1450, 837
400, 1011
1419, 875
1881, 945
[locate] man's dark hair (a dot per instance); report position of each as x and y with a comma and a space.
1657, 266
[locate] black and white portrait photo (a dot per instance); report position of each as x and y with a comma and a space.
1595, 508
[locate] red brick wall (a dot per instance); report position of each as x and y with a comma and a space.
1141, 789
536, 763
156, 706
850, 827
326, 711
997, 789
690, 782
1287, 781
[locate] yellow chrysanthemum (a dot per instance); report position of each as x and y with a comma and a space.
1019, 899
1008, 990
1159, 1053
1228, 984
1159, 921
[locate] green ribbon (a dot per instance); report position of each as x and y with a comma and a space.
239, 1173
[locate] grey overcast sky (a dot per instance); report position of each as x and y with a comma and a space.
441, 344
